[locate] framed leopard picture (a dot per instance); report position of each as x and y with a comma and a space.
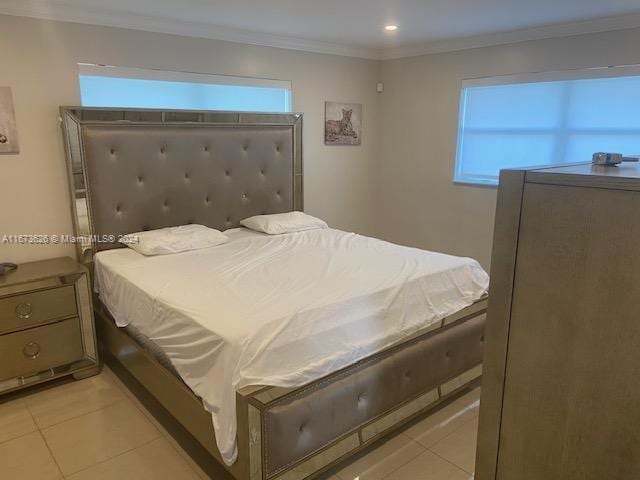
342, 123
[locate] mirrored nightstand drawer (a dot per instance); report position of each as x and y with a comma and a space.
30, 351
46, 324
29, 309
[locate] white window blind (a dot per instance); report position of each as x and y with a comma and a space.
103, 86
542, 119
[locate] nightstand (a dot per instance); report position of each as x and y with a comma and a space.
46, 324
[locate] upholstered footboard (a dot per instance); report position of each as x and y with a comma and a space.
297, 433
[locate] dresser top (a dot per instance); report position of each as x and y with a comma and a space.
625, 176
33, 271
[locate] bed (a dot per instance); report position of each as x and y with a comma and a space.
351, 338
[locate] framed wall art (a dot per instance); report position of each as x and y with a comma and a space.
342, 123
8, 130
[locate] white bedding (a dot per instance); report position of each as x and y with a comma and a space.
280, 310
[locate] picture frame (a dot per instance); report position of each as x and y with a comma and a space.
342, 123
8, 130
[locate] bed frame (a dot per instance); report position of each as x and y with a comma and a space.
132, 170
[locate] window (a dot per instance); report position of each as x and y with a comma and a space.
102, 86
542, 119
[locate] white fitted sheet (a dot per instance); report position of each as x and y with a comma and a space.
280, 310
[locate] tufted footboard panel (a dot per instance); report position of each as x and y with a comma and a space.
305, 421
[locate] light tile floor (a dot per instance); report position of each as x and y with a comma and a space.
95, 429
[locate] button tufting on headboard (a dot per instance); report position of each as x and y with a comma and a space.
178, 185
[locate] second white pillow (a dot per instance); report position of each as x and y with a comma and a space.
279, 223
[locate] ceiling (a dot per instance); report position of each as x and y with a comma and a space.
348, 27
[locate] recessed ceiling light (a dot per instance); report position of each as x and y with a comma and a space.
391, 28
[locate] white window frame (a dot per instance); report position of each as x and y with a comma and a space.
95, 70
579, 74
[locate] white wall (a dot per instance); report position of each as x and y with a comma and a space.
38, 60
398, 185
419, 205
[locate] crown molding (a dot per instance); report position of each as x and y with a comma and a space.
105, 17
598, 25
109, 18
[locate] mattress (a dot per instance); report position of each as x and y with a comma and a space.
279, 310
148, 344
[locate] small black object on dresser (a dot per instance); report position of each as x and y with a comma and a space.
6, 267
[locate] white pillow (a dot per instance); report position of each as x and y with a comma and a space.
168, 240
283, 223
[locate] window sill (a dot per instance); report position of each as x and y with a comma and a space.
469, 183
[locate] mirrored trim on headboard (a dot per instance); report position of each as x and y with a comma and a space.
82, 125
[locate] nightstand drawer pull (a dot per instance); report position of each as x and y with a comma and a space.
23, 310
36, 307
40, 348
31, 350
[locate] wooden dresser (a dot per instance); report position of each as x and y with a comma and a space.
561, 376
46, 324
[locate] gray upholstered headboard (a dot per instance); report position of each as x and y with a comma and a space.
141, 170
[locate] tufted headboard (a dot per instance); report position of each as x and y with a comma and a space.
134, 170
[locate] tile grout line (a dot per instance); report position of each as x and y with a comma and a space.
76, 382
113, 379
181, 455
53, 457
148, 415
20, 436
425, 449
164, 434
461, 411
411, 440
138, 404
40, 430
111, 458
76, 416
41, 434
450, 462
450, 433
447, 436
463, 424
28, 433
44, 440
